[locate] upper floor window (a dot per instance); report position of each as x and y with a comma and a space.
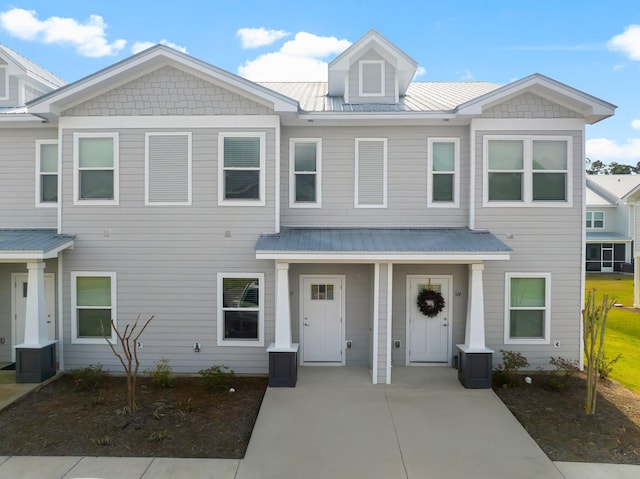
371, 173
241, 169
443, 181
371, 78
46, 173
527, 308
305, 178
4, 83
96, 160
168, 168
527, 170
595, 219
93, 306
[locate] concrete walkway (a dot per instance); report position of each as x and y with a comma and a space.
336, 424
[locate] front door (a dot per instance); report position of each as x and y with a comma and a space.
429, 337
321, 315
19, 304
607, 258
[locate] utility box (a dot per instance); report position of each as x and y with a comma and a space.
474, 368
35, 364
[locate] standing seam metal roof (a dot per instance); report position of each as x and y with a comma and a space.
32, 239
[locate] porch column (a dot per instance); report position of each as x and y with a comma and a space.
36, 357
474, 359
283, 353
636, 282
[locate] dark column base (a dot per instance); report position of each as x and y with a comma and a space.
283, 369
35, 365
474, 369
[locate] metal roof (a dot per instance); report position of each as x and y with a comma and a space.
33, 69
378, 240
420, 97
36, 243
616, 185
606, 236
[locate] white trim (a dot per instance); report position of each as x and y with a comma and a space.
396, 257
292, 173
526, 124
277, 200
4, 70
39, 202
154, 122
448, 283
357, 170
376, 313
262, 169
527, 171
116, 169
74, 308
343, 328
546, 339
59, 212
221, 341
456, 173
389, 319
472, 176
26, 256
361, 63
60, 296
149, 134
592, 227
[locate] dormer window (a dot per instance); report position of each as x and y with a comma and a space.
372, 78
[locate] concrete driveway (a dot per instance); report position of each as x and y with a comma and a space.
336, 424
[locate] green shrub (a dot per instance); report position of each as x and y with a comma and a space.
216, 377
506, 374
162, 374
566, 366
606, 365
89, 378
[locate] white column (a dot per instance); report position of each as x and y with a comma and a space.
474, 334
35, 325
636, 282
283, 309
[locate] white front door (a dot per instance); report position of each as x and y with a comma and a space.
19, 303
429, 337
607, 258
321, 319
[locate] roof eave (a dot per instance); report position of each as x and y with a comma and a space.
449, 257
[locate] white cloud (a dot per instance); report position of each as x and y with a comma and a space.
259, 37
88, 38
635, 124
137, 47
299, 59
609, 150
420, 72
465, 75
627, 42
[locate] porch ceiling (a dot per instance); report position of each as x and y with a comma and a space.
32, 244
460, 245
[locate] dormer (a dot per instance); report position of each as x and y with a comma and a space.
372, 70
21, 80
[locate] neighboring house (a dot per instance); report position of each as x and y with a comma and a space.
610, 222
276, 224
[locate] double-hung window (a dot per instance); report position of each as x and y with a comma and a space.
527, 308
93, 306
371, 173
595, 220
240, 309
241, 169
96, 168
443, 181
305, 178
531, 170
46, 173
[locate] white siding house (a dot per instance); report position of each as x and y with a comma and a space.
367, 221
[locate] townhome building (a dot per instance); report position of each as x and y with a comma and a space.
369, 221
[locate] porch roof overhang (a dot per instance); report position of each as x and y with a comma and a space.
599, 237
20, 245
367, 245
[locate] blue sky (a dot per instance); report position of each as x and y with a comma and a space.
593, 46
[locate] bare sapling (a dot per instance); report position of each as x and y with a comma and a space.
130, 362
594, 322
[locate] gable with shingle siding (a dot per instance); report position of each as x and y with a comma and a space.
168, 91
529, 105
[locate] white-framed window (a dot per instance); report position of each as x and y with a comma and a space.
241, 169
530, 170
443, 180
46, 173
371, 76
595, 220
305, 172
370, 173
168, 168
93, 306
527, 315
96, 168
240, 309
4, 83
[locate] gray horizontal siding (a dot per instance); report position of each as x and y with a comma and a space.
18, 191
406, 178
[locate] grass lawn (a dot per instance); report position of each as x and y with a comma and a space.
623, 326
